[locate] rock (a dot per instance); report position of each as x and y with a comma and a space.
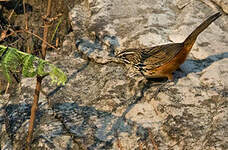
110, 18
214, 75
182, 3
223, 4
107, 105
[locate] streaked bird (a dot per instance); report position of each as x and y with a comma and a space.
161, 61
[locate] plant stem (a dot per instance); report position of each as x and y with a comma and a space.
33, 111
46, 25
39, 80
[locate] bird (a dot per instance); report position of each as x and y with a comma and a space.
162, 60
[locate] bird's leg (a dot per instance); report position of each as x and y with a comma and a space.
170, 77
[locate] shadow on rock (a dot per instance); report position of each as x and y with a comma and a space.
194, 66
98, 129
93, 49
15, 115
73, 75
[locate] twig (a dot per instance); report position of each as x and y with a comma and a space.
26, 16
27, 31
13, 10
39, 81
119, 144
45, 35
33, 111
26, 25
7, 88
3, 35
44, 41
140, 145
152, 139
15, 32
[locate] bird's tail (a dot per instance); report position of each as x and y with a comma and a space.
192, 37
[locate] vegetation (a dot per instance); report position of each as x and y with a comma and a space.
33, 37
13, 60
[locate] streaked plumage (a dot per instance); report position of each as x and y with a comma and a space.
161, 61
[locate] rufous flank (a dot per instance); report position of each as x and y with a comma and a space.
162, 60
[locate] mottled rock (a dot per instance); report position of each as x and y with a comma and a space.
106, 105
215, 75
182, 3
223, 4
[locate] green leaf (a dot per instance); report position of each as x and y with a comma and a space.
57, 75
13, 60
10, 62
40, 68
28, 69
6, 72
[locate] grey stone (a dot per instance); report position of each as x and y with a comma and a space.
107, 105
223, 4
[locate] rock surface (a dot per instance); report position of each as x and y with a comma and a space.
106, 105
223, 4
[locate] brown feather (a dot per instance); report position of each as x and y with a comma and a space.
162, 60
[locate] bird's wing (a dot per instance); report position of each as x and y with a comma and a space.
154, 57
